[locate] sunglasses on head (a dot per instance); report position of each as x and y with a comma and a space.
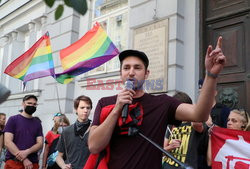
57, 114
245, 113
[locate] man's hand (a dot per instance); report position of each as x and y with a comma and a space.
215, 59
67, 166
198, 126
22, 154
27, 164
124, 97
209, 122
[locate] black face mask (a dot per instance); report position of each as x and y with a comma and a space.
30, 109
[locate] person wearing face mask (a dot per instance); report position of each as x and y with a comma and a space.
51, 140
23, 137
72, 145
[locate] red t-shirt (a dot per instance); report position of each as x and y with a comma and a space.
134, 152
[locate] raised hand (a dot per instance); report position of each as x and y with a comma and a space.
215, 59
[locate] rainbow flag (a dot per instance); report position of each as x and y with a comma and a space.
92, 50
35, 63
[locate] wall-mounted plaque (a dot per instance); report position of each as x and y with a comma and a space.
153, 40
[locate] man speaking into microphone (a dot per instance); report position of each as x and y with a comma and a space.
155, 113
129, 85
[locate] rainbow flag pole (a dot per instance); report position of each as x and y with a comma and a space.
92, 50
35, 63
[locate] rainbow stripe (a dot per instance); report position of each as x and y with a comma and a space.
35, 63
92, 50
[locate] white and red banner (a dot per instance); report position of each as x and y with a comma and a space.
230, 149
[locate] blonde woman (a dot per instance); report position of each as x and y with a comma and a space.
237, 120
51, 140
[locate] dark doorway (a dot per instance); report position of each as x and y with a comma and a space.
231, 20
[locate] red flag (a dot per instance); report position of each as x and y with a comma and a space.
230, 149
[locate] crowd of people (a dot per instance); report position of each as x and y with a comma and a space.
110, 142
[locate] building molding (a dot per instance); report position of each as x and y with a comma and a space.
16, 96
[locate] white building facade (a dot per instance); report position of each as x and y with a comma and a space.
166, 30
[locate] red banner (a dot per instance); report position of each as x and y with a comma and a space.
230, 149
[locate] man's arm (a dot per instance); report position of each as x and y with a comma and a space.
45, 155
37, 146
100, 136
61, 163
8, 142
1, 143
200, 111
214, 62
21, 155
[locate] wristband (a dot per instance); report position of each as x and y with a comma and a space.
212, 75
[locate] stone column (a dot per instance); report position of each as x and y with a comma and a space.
5, 60
17, 49
31, 40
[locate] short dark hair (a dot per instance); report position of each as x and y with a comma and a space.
2, 114
83, 98
30, 96
139, 54
183, 97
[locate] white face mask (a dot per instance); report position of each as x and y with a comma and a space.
60, 130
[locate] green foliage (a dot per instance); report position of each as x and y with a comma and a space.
59, 11
68, 3
80, 6
50, 3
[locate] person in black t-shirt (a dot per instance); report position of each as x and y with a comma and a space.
158, 111
186, 141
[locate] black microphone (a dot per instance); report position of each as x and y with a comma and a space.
128, 85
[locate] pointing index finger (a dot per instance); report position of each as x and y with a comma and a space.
219, 42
